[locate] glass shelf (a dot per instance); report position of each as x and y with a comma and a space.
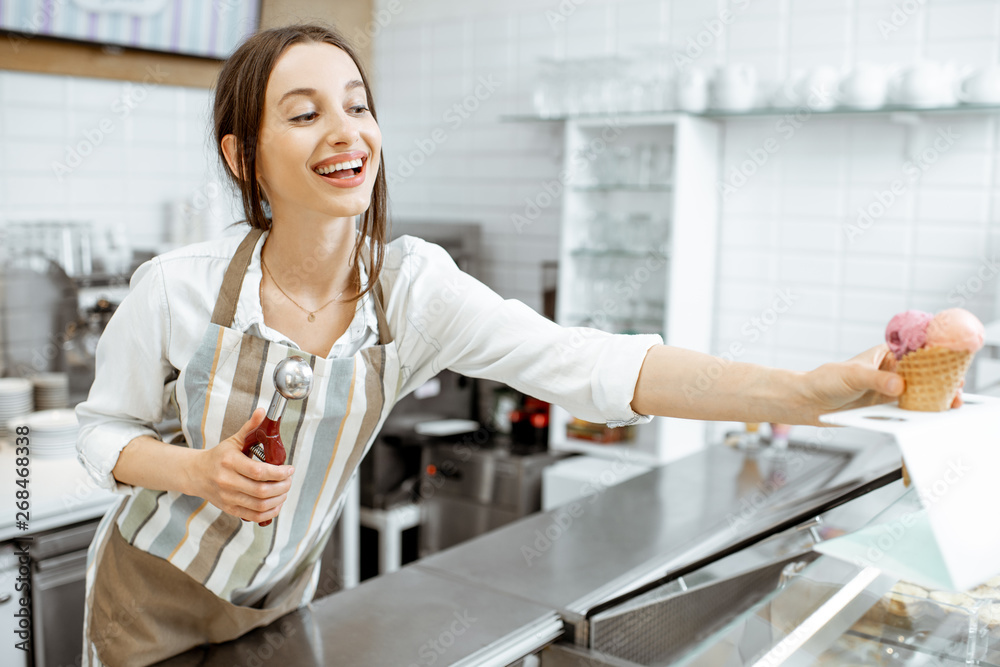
619, 252
886, 110
625, 187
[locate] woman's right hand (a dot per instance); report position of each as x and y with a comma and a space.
237, 484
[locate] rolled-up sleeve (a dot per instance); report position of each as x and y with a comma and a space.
127, 397
454, 321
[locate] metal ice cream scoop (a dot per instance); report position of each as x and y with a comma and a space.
292, 381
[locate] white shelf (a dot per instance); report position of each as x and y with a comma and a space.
667, 288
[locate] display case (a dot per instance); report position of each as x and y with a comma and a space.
637, 255
833, 612
780, 603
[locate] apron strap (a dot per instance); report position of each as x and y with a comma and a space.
383, 327
232, 283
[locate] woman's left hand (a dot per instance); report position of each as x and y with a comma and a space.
867, 379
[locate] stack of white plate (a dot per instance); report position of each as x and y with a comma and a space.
52, 433
16, 398
51, 391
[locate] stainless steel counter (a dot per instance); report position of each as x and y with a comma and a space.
574, 557
406, 618
523, 581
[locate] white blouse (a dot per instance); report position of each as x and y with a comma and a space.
438, 315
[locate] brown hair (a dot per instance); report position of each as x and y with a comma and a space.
239, 110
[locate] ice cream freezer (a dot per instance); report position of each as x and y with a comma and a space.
822, 611
638, 573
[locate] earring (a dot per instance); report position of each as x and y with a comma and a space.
266, 208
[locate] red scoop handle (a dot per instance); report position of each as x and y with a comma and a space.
266, 440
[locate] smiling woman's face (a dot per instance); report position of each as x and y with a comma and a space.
316, 118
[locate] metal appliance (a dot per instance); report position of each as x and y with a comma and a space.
10, 602
37, 302
58, 574
471, 488
391, 468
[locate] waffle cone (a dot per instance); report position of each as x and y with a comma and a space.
933, 377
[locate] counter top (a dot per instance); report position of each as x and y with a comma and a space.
526, 581
61, 493
406, 618
584, 553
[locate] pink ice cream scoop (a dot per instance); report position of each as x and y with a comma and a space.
907, 332
956, 329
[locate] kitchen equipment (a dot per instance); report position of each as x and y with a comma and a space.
67, 243
392, 467
10, 602
292, 381
37, 301
58, 569
446, 427
505, 401
469, 489
661, 625
80, 346
836, 612
982, 86
865, 87
530, 427
734, 87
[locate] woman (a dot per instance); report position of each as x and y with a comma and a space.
182, 559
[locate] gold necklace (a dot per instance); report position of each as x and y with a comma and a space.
311, 313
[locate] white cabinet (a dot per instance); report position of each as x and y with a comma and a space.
638, 249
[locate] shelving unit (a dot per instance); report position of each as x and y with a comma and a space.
685, 213
638, 247
887, 110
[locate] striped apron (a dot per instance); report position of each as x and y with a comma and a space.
167, 572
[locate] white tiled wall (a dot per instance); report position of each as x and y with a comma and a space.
446, 70
788, 227
109, 152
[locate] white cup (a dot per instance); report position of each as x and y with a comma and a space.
864, 88
982, 86
818, 88
815, 88
786, 94
927, 84
692, 90
734, 87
